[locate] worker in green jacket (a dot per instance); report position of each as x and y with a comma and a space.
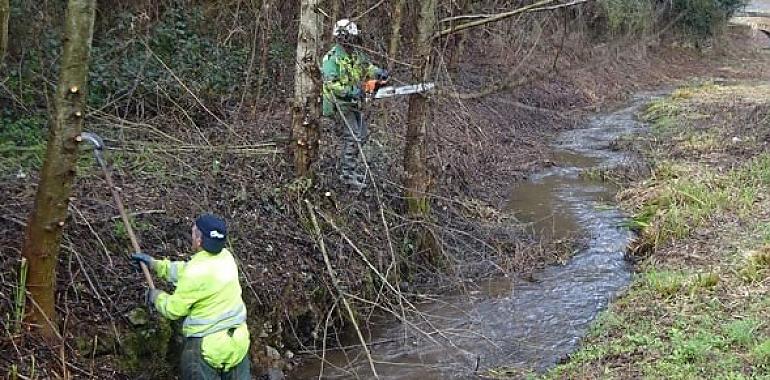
208, 297
345, 70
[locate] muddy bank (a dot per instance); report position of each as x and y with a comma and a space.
245, 176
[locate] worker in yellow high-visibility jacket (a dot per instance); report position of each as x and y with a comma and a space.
208, 297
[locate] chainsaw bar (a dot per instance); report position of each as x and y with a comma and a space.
389, 91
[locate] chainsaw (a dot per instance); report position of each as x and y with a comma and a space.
376, 89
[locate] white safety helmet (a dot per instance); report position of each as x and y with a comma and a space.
345, 27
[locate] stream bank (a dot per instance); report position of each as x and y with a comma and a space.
698, 306
489, 328
529, 323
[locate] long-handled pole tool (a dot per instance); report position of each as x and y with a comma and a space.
98, 144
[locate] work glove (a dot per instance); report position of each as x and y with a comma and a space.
143, 258
150, 295
381, 74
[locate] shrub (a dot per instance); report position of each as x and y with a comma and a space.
702, 18
628, 16
694, 19
23, 131
176, 43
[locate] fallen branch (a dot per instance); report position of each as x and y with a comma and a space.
336, 283
396, 292
260, 149
139, 213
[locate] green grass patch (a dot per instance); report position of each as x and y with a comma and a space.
693, 348
761, 355
742, 332
684, 202
665, 283
706, 280
662, 114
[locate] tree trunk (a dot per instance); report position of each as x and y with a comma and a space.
264, 44
5, 12
419, 116
336, 5
306, 108
45, 223
395, 32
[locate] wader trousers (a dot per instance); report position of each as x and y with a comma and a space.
194, 367
354, 133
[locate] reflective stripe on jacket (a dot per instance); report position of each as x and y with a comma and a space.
342, 73
208, 296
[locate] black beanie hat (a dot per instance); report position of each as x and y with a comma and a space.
214, 232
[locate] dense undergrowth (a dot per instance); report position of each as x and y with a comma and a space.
696, 20
698, 307
191, 99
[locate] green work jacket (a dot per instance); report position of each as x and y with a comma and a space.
342, 73
208, 297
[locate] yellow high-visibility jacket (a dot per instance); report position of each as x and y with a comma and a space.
208, 296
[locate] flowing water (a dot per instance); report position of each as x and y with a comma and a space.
527, 324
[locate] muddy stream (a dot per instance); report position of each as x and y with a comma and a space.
527, 324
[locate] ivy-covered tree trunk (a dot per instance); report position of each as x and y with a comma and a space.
45, 223
306, 109
5, 13
417, 179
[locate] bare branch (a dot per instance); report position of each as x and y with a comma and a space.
375, 6
559, 6
510, 81
464, 17
494, 18
542, 5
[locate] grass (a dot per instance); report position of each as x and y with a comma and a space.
761, 354
686, 201
742, 332
665, 283
698, 307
